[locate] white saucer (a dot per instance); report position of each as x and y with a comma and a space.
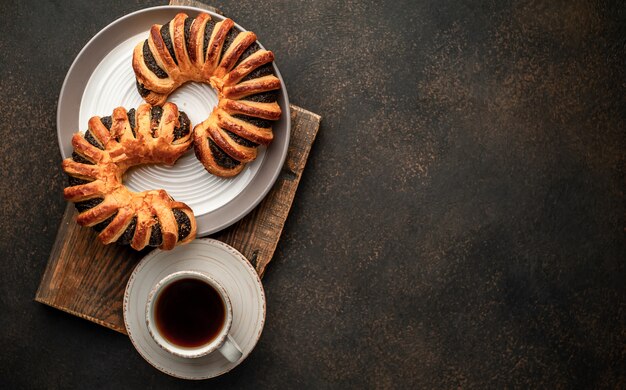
226, 265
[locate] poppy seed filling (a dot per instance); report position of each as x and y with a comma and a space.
242, 73
95, 182
151, 62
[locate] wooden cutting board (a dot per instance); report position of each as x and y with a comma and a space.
88, 279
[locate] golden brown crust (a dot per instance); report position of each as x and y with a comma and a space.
253, 133
246, 66
247, 88
234, 51
78, 170
215, 47
121, 150
116, 228
94, 189
260, 110
177, 32
239, 152
222, 68
97, 214
196, 41
85, 149
203, 152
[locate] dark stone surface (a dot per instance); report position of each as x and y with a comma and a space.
460, 222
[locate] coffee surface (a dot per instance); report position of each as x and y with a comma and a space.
189, 313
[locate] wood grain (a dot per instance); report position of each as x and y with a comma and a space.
87, 279
257, 234
194, 3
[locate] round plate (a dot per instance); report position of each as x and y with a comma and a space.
231, 269
101, 78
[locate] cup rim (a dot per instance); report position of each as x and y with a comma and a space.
174, 349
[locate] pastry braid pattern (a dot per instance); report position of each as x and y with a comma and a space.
104, 152
199, 49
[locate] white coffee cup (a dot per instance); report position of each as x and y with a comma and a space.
222, 342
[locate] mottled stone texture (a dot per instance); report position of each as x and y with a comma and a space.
460, 222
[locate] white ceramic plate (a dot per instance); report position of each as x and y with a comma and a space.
232, 271
101, 78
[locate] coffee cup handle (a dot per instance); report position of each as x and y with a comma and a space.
230, 350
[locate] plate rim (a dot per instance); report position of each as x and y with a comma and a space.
262, 182
250, 270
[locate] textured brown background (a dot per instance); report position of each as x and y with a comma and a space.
460, 221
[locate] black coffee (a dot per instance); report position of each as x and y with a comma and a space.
189, 313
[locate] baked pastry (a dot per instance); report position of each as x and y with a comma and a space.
108, 148
198, 49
